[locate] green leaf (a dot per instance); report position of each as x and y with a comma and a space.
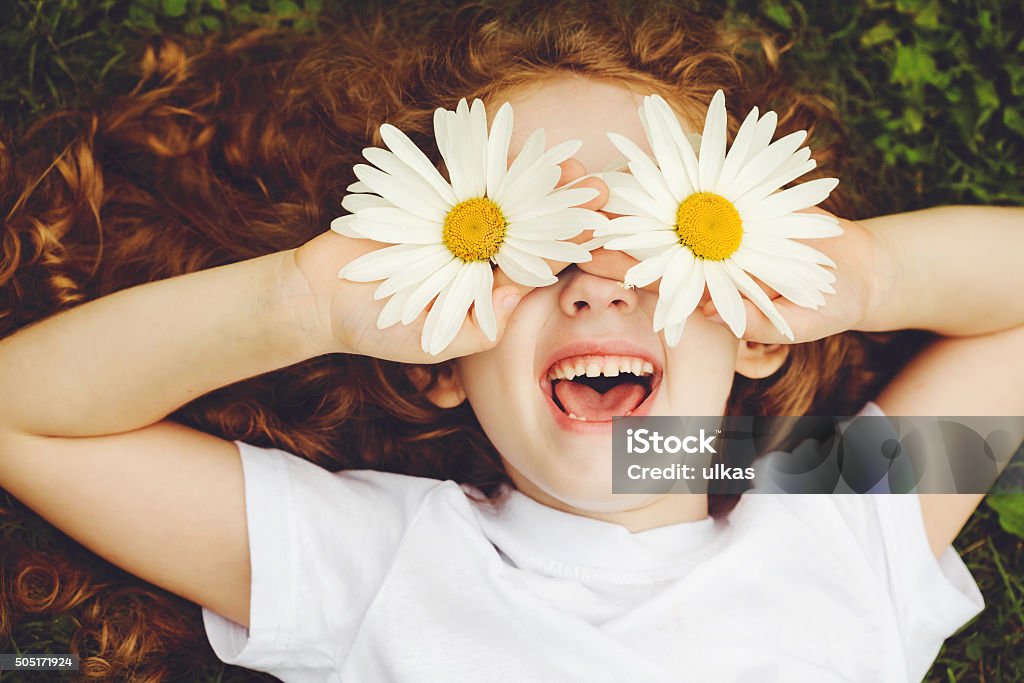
1013, 120
1010, 507
914, 65
914, 119
878, 34
284, 8
210, 22
777, 13
174, 8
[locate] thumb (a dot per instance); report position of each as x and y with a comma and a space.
506, 299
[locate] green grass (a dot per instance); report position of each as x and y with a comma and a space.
930, 92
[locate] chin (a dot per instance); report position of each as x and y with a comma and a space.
595, 496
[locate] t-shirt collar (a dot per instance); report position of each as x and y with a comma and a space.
540, 538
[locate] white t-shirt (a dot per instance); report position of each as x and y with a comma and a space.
366, 577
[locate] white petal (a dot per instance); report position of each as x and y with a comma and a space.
528, 155
404, 148
391, 313
683, 145
596, 242
343, 226
644, 253
646, 272
673, 333
441, 135
615, 182
357, 202
763, 132
615, 179
399, 194
765, 164
397, 234
631, 225
497, 148
482, 303
383, 263
669, 161
560, 152
358, 188
726, 298
458, 157
757, 295
629, 202
556, 251
737, 152
414, 274
523, 268
673, 283
796, 198
654, 238
452, 306
560, 225
712, 146
428, 289
688, 295
556, 201
795, 226
529, 182
785, 248
407, 178
781, 276
397, 226
646, 173
774, 182
528, 188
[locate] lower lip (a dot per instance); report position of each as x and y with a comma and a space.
603, 427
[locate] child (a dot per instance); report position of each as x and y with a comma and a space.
369, 575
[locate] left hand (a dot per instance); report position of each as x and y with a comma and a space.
856, 255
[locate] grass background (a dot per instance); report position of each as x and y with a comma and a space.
931, 94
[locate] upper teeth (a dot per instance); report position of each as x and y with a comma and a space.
596, 366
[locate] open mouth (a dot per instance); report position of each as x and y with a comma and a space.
596, 388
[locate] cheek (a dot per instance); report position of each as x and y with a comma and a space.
701, 369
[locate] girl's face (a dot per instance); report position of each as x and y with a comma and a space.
561, 461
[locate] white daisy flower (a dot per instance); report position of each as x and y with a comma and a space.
696, 215
448, 232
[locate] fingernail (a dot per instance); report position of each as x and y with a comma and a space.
510, 301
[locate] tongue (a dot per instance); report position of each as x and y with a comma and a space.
581, 400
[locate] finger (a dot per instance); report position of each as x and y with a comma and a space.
502, 281
806, 323
572, 171
613, 265
471, 337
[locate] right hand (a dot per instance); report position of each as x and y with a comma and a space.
350, 312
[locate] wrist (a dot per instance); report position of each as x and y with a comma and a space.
297, 314
885, 306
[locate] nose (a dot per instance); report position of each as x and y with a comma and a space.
587, 294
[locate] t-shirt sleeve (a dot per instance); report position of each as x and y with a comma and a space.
320, 546
932, 598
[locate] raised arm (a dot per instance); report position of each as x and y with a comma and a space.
955, 271
83, 394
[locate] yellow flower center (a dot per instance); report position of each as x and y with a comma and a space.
474, 229
709, 225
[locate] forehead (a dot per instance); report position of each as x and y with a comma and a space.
577, 108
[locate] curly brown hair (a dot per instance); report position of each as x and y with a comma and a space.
239, 148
